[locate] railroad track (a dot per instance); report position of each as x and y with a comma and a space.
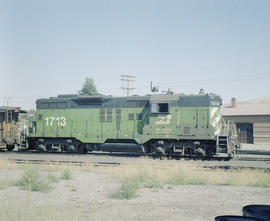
63, 162
115, 164
264, 159
133, 160
241, 157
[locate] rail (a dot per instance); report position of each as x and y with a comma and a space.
115, 164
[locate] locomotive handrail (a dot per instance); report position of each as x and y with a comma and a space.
228, 137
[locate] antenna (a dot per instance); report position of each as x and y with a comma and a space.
154, 89
201, 92
128, 79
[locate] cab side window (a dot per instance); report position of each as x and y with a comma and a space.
160, 108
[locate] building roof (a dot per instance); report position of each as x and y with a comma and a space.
246, 108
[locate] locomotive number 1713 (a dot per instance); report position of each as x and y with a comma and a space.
60, 121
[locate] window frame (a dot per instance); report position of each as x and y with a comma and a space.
157, 109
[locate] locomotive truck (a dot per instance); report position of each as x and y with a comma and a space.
161, 124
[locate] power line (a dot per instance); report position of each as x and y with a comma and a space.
128, 79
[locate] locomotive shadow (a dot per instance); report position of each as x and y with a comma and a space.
128, 155
96, 153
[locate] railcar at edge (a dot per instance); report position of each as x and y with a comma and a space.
10, 127
162, 125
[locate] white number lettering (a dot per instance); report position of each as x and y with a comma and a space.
52, 119
61, 121
47, 121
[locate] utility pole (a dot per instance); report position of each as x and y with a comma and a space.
128, 79
7, 101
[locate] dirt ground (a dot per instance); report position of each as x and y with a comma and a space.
87, 196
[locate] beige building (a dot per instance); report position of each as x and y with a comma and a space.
252, 119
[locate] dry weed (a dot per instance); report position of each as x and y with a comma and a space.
188, 174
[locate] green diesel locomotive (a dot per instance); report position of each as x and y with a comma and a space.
163, 124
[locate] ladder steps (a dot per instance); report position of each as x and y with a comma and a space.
222, 144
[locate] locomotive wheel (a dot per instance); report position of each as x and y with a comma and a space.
81, 148
75, 148
162, 157
71, 148
10, 147
41, 148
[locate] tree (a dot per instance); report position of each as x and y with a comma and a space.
89, 87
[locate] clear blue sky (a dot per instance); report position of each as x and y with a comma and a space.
50, 47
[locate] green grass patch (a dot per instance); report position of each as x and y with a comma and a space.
73, 189
128, 190
131, 184
247, 177
155, 177
183, 179
33, 181
52, 178
4, 183
263, 181
65, 174
152, 184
